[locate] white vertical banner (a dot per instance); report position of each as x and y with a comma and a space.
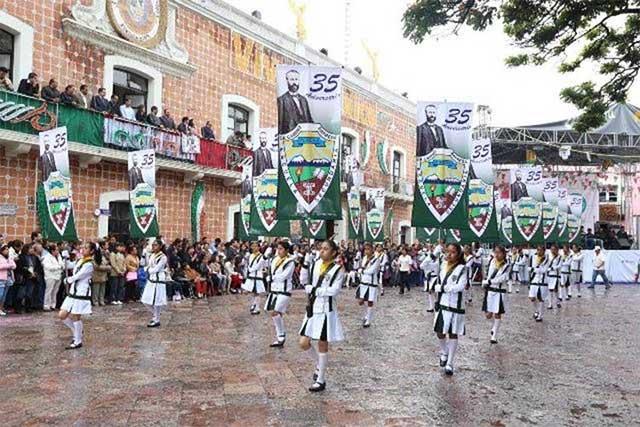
141, 173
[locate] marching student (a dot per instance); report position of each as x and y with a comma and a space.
431, 267
282, 267
476, 267
155, 291
307, 261
524, 262
255, 283
78, 301
565, 273
449, 317
321, 322
494, 297
553, 276
384, 264
538, 286
576, 269
514, 276
468, 258
369, 279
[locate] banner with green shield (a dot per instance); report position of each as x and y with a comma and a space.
197, 211
143, 211
354, 214
374, 215
314, 229
309, 126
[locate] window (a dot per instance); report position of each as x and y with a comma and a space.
396, 171
119, 220
609, 194
237, 120
127, 83
6, 51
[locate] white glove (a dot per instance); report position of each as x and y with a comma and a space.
308, 289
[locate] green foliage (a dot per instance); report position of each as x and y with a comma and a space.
602, 32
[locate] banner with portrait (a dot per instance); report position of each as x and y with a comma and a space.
263, 216
354, 214
197, 211
482, 160
246, 200
481, 213
309, 101
526, 205
54, 195
443, 149
314, 229
141, 171
374, 215
563, 210
503, 207
550, 209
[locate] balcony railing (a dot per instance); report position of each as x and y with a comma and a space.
24, 114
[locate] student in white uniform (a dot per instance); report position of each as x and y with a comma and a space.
538, 286
576, 269
468, 259
321, 321
431, 267
476, 266
565, 273
384, 264
155, 291
369, 279
254, 283
78, 301
495, 289
514, 276
449, 317
523, 266
307, 261
553, 276
281, 270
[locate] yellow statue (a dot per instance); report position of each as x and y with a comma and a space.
299, 10
373, 57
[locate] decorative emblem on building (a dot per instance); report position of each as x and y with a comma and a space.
143, 22
39, 117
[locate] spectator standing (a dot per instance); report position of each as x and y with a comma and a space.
100, 102
30, 86
132, 262
167, 120
152, 118
127, 111
236, 139
68, 97
113, 105
118, 271
5, 81
183, 127
404, 266
599, 268
100, 276
207, 131
26, 279
141, 113
53, 266
7, 265
83, 97
50, 93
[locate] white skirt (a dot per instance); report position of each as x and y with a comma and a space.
538, 292
553, 284
154, 294
494, 302
255, 286
565, 279
576, 277
76, 306
277, 302
322, 327
367, 293
431, 284
448, 322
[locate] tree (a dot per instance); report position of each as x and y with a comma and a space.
601, 32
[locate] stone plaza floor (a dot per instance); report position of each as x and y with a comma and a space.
210, 364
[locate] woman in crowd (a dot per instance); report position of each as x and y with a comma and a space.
538, 290
367, 291
254, 283
7, 265
132, 262
100, 276
155, 293
576, 270
404, 267
495, 289
26, 278
431, 267
321, 322
553, 276
53, 266
449, 317
281, 285
565, 273
78, 301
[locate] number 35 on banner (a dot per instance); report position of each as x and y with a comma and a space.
56, 139
481, 160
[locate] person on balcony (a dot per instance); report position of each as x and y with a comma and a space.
68, 97
183, 127
114, 105
167, 120
141, 113
50, 93
5, 82
30, 86
207, 131
152, 117
127, 111
100, 102
83, 97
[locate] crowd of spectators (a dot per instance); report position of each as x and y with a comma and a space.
123, 108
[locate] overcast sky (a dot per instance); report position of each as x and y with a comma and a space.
467, 67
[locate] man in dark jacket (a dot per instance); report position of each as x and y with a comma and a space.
30, 86
100, 102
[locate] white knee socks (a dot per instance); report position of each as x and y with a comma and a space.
322, 367
69, 324
540, 309
552, 299
510, 286
156, 313
77, 332
278, 322
496, 326
369, 314
453, 346
429, 301
444, 350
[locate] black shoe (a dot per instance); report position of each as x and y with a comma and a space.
448, 370
278, 343
607, 287
252, 308
493, 341
317, 387
443, 360
430, 310
366, 324
153, 324
569, 297
73, 346
538, 319
550, 307
535, 315
255, 312
559, 305
315, 376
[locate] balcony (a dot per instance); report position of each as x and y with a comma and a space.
94, 136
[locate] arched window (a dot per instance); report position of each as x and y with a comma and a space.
237, 119
6, 51
238, 114
129, 84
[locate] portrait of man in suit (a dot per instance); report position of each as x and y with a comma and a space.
47, 162
293, 108
430, 135
246, 187
262, 158
518, 188
135, 174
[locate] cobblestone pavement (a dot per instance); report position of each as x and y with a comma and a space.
210, 364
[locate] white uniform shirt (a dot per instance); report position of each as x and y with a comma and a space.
405, 262
370, 270
281, 274
598, 262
